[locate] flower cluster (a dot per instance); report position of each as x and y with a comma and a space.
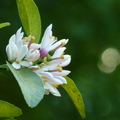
45, 59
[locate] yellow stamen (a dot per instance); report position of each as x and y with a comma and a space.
45, 81
55, 85
35, 68
62, 56
59, 68
63, 43
17, 62
51, 37
32, 38
43, 77
25, 38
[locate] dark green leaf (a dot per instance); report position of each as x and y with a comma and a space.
30, 18
30, 83
4, 24
75, 95
8, 110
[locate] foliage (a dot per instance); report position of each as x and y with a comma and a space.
30, 83
75, 95
30, 18
8, 110
4, 24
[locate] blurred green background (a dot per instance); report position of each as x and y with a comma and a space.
92, 26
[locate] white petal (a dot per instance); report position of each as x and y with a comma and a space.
66, 61
42, 70
34, 46
14, 50
62, 79
38, 72
29, 54
58, 52
22, 52
18, 31
9, 52
12, 39
16, 65
53, 90
19, 44
61, 62
34, 67
51, 66
50, 78
58, 44
25, 63
19, 35
46, 41
32, 55
63, 73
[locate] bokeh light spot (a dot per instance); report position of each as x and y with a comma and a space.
110, 59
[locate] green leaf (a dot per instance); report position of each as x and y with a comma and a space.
75, 95
4, 24
30, 83
30, 18
8, 110
3, 66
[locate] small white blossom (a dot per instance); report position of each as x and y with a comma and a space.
32, 55
49, 42
46, 59
16, 50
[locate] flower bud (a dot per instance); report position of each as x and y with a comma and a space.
43, 52
32, 55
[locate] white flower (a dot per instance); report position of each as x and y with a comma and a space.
51, 72
47, 39
32, 55
21, 54
49, 42
52, 79
50, 82
16, 50
35, 46
46, 59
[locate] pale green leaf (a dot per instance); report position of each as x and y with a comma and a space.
8, 110
30, 83
30, 18
75, 95
4, 24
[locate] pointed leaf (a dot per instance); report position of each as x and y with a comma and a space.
4, 24
30, 83
30, 18
75, 95
8, 110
